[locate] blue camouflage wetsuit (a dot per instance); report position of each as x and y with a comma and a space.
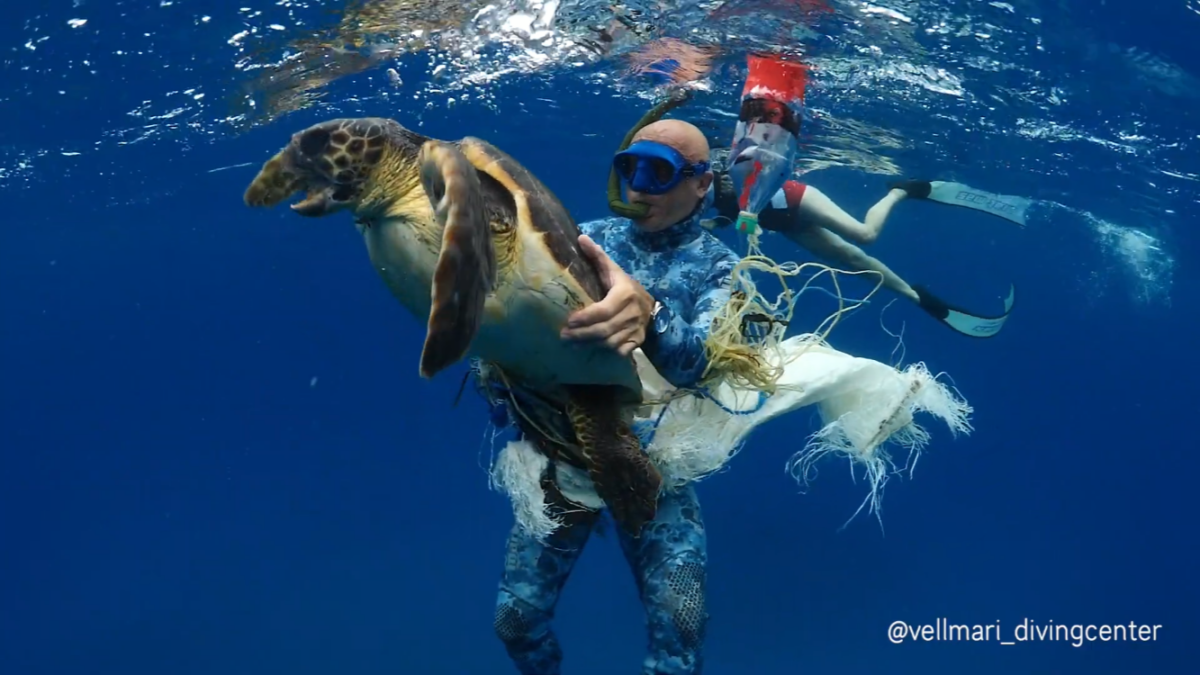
686, 269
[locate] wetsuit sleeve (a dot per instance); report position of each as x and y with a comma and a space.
678, 351
595, 229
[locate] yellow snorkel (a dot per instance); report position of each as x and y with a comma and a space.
615, 203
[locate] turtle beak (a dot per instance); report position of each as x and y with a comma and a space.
302, 167
290, 172
323, 201
316, 203
276, 181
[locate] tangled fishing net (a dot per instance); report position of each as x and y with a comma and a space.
749, 326
756, 374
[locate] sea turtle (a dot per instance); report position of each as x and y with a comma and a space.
470, 239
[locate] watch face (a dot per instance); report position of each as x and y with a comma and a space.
661, 321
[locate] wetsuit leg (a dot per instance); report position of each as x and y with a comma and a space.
668, 562
534, 575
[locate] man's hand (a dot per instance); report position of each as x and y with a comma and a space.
725, 185
620, 319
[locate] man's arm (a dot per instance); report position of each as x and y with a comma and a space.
677, 351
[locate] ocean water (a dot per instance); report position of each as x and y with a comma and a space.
216, 455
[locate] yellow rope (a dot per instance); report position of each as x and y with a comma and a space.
741, 361
733, 357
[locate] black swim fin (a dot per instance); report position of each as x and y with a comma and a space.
962, 321
916, 189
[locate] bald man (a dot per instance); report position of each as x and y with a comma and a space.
665, 277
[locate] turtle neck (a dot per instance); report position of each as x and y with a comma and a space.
680, 234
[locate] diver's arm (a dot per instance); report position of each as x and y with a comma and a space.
725, 196
596, 229
674, 345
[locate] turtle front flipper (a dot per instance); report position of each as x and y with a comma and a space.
466, 266
623, 475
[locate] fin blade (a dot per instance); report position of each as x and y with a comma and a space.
962, 321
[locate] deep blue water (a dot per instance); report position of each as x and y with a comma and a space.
178, 497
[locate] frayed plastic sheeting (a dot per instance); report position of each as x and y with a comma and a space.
860, 425
864, 405
517, 472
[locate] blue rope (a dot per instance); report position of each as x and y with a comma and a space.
762, 400
648, 439
502, 420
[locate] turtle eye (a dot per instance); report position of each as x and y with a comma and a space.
342, 193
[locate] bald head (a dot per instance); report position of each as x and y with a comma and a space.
684, 137
680, 201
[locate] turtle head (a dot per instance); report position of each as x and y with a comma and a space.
331, 163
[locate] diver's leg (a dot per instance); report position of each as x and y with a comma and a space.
668, 561
837, 251
534, 575
820, 210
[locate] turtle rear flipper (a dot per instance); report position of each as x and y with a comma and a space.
466, 266
623, 475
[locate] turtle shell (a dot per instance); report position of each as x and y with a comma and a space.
538, 210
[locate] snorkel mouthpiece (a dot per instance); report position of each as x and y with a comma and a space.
615, 203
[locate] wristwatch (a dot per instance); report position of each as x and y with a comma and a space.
660, 318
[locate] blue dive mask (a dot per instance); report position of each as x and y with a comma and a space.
653, 168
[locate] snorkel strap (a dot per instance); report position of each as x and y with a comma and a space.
615, 203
